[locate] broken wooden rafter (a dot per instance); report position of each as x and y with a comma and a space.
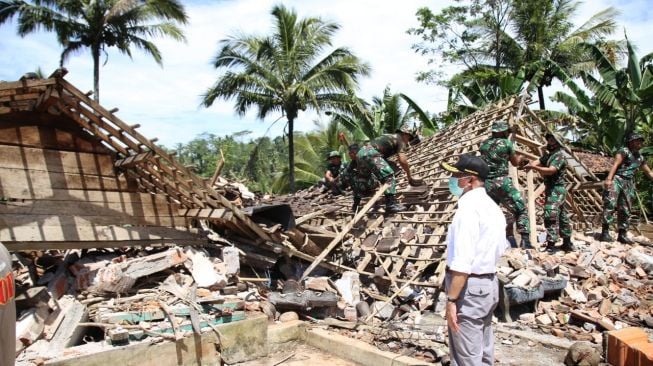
345, 230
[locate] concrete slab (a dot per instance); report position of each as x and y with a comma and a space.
240, 341
286, 332
357, 351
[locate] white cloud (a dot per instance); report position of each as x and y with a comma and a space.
165, 101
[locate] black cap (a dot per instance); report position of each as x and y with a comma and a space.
468, 164
549, 135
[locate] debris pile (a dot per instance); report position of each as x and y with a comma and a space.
70, 298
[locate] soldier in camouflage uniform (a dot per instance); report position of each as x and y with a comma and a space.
366, 169
552, 167
497, 151
394, 144
620, 187
335, 167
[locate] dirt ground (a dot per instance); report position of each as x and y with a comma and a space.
525, 354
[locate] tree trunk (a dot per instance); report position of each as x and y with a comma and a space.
96, 73
540, 96
291, 155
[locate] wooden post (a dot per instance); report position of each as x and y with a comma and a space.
531, 208
345, 230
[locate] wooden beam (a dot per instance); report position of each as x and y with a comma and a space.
133, 160
345, 230
531, 208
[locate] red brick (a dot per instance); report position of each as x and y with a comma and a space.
620, 351
644, 353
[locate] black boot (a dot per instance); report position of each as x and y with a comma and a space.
605, 233
392, 206
526, 241
567, 245
623, 237
512, 241
550, 246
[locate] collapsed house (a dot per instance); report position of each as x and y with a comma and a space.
74, 176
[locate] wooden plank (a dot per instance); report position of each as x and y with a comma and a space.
53, 219
345, 230
30, 134
531, 209
89, 232
17, 157
20, 182
84, 208
89, 244
133, 160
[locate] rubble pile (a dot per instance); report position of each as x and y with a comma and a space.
119, 297
604, 286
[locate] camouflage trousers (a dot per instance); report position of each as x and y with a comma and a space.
556, 218
502, 191
620, 196
371, 167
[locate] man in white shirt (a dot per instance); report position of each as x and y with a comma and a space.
475, 241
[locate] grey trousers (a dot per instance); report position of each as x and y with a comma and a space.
473, 344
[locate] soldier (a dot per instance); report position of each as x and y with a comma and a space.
552, 167
497, 151
620, 187
389, 145
334, 168
366, 168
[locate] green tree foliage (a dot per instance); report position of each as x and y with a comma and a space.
99, 24
385, 114
254, 162
490, 39
287, 72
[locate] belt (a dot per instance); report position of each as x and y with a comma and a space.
476, 275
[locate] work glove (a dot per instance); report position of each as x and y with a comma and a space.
415, 182
357, 202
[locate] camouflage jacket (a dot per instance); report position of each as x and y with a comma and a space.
336, 169
632, 161
555, 159
497, 152
388, 145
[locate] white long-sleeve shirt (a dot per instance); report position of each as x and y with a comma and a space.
477, 235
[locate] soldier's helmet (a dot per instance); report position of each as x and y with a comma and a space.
634, 136
333, 154
555, 137
500, 126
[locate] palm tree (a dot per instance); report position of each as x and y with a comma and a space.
283, 72
386, 114
622, 100
548, 40
98, 25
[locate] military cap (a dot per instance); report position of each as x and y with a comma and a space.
500, 126
333, 154
634, 136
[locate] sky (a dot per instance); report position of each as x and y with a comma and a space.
165, 101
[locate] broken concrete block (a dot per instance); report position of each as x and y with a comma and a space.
203, 270
349, 286
29, 326
383, 310
118, 336
635, 257
543, 319
318, 284
69, 334
231, 259
121, 276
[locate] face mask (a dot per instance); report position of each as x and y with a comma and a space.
453, 187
